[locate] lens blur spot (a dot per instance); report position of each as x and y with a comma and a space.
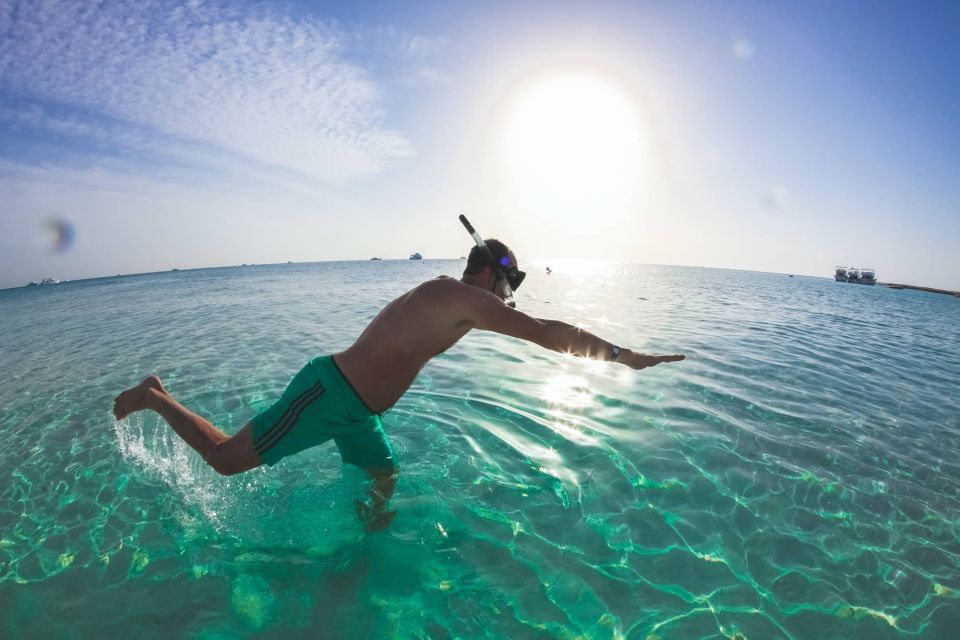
60, 234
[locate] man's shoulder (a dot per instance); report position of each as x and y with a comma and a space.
444, 285
457, 297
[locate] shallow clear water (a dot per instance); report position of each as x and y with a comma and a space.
796, 477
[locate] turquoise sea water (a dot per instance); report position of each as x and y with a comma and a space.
796, 477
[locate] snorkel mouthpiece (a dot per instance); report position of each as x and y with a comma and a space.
498, 265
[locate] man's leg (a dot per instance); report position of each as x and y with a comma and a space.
375, 516
370, 450
227, 455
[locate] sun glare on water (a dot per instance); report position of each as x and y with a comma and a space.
572, 141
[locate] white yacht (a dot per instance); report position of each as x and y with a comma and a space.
853, 275
840, 274
868, 276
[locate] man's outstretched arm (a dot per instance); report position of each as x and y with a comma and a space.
567, 338
486, 311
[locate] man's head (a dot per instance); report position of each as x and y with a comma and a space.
480, 272
477, 261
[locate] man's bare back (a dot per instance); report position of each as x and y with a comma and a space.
405, 335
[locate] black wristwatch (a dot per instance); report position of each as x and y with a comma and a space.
614, 353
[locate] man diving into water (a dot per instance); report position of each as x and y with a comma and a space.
339, 397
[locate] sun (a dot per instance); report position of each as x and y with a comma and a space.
572, 141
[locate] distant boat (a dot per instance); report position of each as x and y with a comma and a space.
376, 258
174, 269
855, 275
32, 283
416, 256
49, 281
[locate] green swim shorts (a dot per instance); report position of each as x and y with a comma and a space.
318, 405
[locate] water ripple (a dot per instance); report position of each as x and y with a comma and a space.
794, 478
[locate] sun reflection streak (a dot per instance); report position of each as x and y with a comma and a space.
567, 391
572, 430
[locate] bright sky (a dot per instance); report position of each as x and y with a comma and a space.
787, 137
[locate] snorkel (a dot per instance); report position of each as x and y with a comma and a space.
498, 266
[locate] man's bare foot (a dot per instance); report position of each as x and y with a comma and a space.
136, 398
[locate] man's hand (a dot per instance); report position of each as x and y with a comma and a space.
643, 360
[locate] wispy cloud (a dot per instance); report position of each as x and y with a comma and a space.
247, 81
422, 47
423, 76
399, 43
413, 59
742, 49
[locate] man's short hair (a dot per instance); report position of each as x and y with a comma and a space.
476, 261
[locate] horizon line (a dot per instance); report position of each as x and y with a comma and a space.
280, 264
